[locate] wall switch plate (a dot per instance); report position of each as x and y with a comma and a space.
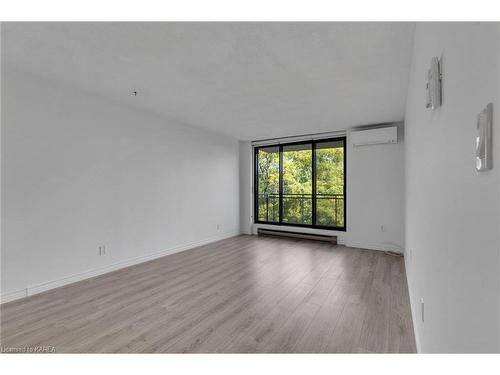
484, 139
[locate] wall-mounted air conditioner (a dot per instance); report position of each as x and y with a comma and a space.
374, 136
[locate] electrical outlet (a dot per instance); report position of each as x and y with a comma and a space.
422, 309
382, 228
218, 226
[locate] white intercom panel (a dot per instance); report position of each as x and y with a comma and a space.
433, 86
483, 139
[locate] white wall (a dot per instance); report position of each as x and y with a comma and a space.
452, 212
246, 186
375, 196
81, 171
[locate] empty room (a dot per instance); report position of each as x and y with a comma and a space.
250, 187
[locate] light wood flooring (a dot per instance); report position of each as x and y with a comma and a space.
246, 294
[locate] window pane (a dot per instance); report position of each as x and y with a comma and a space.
268, 171
330, 183
297, 184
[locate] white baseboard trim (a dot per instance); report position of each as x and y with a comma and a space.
11, 296
412, 308
42, 287
369, 246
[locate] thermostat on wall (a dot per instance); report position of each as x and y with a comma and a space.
483, 139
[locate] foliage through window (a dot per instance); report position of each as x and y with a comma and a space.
301, 184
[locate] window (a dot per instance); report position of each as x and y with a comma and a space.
268, 184
301, 184
330, 183
297, 184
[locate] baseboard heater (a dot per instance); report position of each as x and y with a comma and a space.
299, 235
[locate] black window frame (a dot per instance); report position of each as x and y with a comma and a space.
313, 150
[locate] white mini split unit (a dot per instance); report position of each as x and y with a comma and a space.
374, 136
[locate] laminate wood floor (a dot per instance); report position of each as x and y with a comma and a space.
246, 294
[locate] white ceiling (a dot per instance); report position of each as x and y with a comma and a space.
247, 80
